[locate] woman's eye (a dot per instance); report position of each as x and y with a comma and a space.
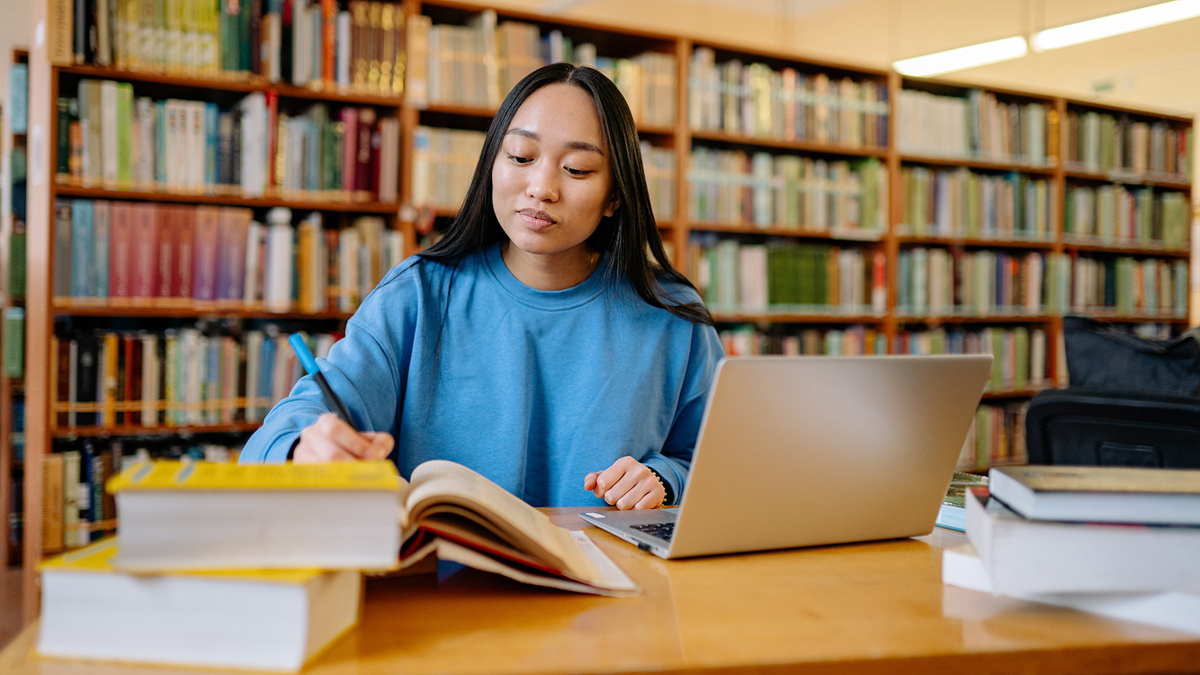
516, 159
576, 172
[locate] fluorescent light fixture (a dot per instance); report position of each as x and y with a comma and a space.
964, 57
1115, 24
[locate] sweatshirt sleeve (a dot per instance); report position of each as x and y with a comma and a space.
363, 369
673, 462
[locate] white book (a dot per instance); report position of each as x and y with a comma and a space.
150, 390
962, 566
1037, 357
273, 27
1025, 556
71, 498
92, 611
251, 293
254, 342
301, 39
342, 65
145, 141
277, 292
108, 129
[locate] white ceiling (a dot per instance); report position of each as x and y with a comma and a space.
1156, 68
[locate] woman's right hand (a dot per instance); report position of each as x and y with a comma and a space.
329, 439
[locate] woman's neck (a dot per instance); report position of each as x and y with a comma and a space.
550, 272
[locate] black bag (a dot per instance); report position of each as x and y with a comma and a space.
1100, 357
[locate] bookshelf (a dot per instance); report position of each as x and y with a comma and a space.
851, 147
12, 300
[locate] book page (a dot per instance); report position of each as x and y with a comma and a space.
612, 582
438, 483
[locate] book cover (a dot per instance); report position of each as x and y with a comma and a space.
1100, 493
206, 249
121, 240
52, 503
146, 254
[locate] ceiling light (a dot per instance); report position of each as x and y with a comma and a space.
965, 57
1115, 24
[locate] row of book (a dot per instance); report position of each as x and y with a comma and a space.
179, 377
1128, 286
109, 138
659, 166
1106, 143
76, 508
1119, 216
754, 100
12, 333
856, 340
785, 276
965, 203
123, 254
1018, 353
945, 281
788, 192
355, 44
476, 64
976, 126
997, 436
443, 162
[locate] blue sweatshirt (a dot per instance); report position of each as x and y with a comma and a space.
533, 389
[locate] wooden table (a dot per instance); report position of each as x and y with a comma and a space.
865, 608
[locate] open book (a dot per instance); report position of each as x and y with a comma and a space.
195, 516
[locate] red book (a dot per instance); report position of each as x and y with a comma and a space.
329, 12
231, 277
376, 147
168, 236
185, 256
272, 99
362, 172
204, 256
120, 241
146, 250
879, 284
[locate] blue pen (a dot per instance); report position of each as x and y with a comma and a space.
310, 365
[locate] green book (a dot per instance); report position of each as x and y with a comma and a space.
16, 265
14, 342
124, 129
1021, 355
63, 163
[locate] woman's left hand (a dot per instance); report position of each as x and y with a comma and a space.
627, 484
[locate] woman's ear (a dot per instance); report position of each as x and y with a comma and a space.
614, 203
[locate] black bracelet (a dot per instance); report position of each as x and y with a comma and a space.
669, 499
292, 450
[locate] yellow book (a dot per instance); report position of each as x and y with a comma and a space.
93, 610
345, 515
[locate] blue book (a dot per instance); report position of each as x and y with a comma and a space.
212, 380
82, 255
18, 88
100, 222
160, 142
266, 369
211, 140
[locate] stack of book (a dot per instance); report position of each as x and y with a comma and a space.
178, 377
947, 281
856, 340
1121, 542
784, 276
125, 254
754, 100
1019, 353
1121, 145
789, 192
1148, 287
108, 137
207, 554
976, 126
1118, 216
964, 203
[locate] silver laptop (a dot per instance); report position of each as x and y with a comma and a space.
813, 450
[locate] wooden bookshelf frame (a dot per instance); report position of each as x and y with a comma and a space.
41, 312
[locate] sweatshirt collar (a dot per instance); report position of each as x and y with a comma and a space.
567, 298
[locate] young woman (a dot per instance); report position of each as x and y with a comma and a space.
545, 341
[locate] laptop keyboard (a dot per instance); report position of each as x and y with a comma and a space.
663, 531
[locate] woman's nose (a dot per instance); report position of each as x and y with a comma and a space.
543, 183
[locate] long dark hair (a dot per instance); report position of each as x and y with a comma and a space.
629, 237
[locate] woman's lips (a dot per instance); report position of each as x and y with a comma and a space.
536, 220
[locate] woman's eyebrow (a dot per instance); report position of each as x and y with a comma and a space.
574, 145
